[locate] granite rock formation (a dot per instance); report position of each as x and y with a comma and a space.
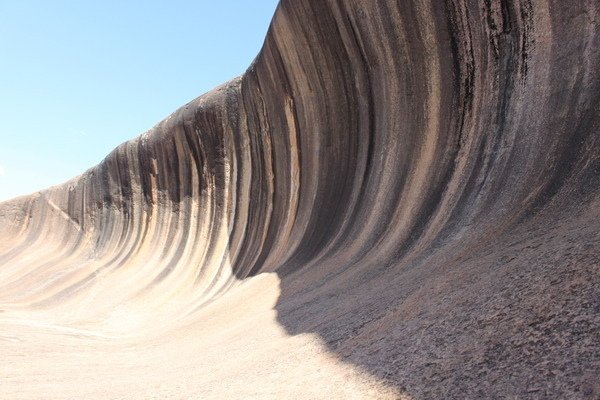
418, 181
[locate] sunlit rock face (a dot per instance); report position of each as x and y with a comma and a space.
397, 199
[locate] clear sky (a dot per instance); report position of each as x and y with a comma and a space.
77, 78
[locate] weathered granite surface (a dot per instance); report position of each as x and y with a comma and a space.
422, 176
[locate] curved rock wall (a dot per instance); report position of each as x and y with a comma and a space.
375, 134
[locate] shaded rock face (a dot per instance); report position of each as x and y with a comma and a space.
423, 176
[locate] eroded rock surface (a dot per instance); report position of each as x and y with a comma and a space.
412, 186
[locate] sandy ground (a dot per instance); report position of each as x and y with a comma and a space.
207, 359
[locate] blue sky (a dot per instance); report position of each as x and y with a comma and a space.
79, 77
